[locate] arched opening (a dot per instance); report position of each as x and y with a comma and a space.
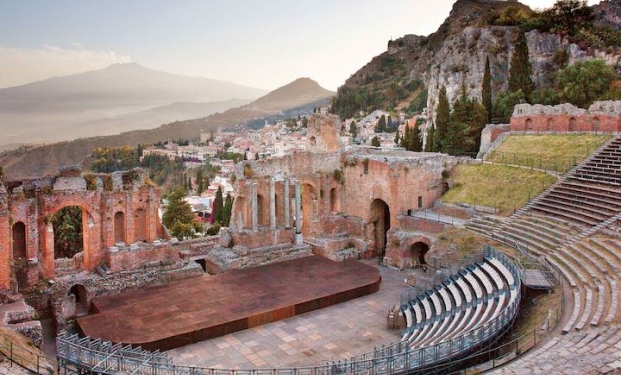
596, 124
529, 125
313, 141
68, 225
119, 227
573, 126
417, 252
277, 208
420, 201
309, 203
261, 210
19, 242
81, 299
550, 124
140, 225
380, 224
334, 201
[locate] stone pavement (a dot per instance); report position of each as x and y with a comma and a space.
336, 332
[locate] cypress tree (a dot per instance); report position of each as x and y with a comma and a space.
415, 142
218, 204
199, 182
228, 208
430, 143
486, 90
398, 136
520, 71
443, 117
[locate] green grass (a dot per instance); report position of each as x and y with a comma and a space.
549, 152
502, 187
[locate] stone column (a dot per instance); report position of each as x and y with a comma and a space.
287, 203
298, 214
272, 204
255, 207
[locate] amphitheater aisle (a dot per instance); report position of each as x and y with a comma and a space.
336, 332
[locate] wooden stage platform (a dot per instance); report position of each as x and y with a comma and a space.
197, 309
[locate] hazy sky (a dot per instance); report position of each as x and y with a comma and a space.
264, 44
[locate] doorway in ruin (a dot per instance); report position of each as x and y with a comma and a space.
68, 227
334, 201
573, 126
380, 222
550, 124
261, 211
239, 216
418, 250
309, 203
81, 299
140, 225
119, 227
19, 242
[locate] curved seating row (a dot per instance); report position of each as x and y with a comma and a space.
474, 296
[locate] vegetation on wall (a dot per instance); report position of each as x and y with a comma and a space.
67, 224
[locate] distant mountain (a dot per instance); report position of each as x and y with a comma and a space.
153, 117
47, 110
296, 98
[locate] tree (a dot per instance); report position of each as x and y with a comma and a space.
199, 181
468, 119
443, 117
381, 125
505, 101
486, 90
569, 17
375, 142
398, 136
388, 123
227, 210
415, 135
218, 205
177, 211
585, 82
430, 142
520, 71
67, 224
353, 129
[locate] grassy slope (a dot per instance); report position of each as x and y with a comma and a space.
497, 186
551, 152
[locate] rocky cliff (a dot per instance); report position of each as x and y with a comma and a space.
456, 54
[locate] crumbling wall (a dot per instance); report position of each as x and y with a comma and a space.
600, 117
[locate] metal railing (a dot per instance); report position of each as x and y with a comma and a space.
108, 358
23, 357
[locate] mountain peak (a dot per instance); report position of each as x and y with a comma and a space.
300, 91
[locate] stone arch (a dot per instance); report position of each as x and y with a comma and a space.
119, 227
335, 202
528, 125
309, 206
573, 125
550, 124
68, 234
19, 241
596, 124
417, 252
81, 298
379, 219
313, 141
140, 225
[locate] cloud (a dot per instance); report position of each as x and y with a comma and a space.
19, 66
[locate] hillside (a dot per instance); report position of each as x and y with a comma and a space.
54, 109
455, 54
296, 98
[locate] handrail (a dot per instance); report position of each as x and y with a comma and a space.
85, 353
23, 357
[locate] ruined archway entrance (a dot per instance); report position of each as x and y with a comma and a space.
19, 242
239, 216
418, 250
309, 203
119, 227
81, 299
380, 224
68, 227
334, 201
140, 225
261, 210
573, 125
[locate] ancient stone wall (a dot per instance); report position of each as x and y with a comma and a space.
118, 208
600, 117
